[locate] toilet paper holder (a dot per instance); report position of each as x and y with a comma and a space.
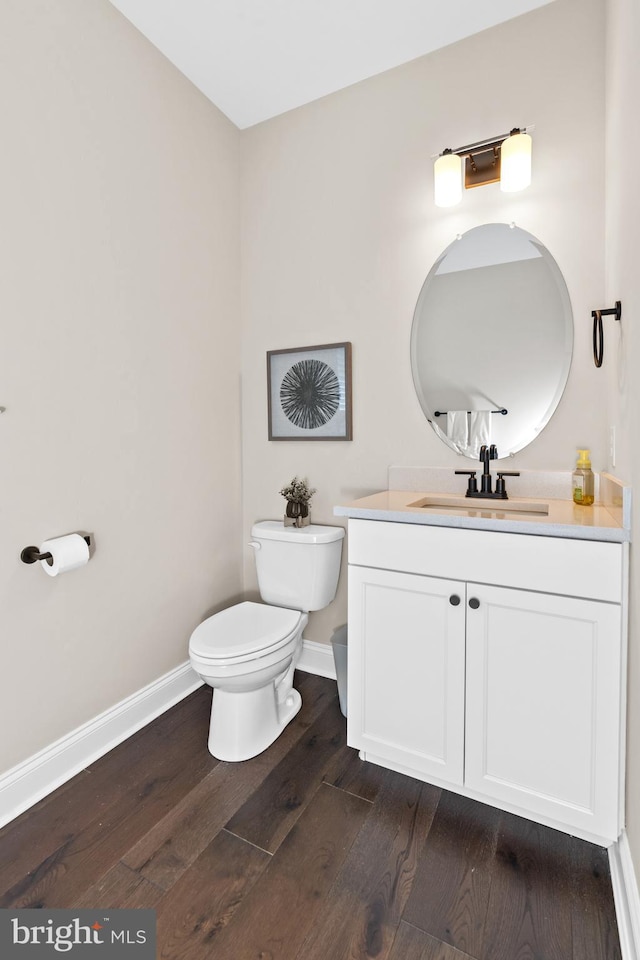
32, 554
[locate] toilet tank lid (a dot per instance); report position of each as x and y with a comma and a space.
313, 533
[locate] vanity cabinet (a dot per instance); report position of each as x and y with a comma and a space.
491, 664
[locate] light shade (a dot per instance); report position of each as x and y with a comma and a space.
447, 180
515, 162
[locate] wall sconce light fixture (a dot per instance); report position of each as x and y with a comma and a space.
506, 159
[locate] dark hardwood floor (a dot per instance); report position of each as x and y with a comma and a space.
304, 853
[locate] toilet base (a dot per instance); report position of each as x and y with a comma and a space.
245, 723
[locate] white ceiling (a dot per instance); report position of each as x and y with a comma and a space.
256, 59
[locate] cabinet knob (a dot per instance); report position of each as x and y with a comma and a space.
474, 603
454, 599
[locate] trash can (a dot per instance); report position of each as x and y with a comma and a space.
339, 644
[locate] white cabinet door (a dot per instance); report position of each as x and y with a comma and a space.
406, 670
543, 704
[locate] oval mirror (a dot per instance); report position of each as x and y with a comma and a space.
491, 340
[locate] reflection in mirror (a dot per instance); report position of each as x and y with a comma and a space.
492, 331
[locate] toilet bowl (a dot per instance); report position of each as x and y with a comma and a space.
249, 651
248, 654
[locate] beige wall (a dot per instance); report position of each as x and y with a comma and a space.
622, 342
119, 362
339, 231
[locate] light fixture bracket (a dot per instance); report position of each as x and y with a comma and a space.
482, 165
482, 159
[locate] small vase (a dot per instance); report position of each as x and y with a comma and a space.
296, 514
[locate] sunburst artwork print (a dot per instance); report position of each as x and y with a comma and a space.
310, 393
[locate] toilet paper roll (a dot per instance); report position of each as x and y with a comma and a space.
68, 553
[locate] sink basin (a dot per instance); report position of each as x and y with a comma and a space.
454, 502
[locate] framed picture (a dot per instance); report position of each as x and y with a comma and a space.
309, 393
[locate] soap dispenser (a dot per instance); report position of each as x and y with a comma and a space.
583, 480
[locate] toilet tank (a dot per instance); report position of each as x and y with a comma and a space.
298, 567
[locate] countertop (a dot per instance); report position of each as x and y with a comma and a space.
564, 517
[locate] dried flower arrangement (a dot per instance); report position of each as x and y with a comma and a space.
298, 495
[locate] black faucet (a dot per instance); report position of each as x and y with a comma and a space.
488, 453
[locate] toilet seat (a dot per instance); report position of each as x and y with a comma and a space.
244, 632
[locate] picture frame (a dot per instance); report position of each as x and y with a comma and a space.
309, 393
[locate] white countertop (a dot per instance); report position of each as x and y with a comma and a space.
564, 517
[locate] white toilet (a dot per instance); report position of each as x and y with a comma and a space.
248, 652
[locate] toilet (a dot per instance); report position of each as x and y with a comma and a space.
248, 652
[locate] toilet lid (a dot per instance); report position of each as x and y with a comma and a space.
243, 629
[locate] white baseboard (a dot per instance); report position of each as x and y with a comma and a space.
41, 774
30, 781
626, 897
317, 658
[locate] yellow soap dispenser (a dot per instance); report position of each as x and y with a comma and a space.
583, 480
